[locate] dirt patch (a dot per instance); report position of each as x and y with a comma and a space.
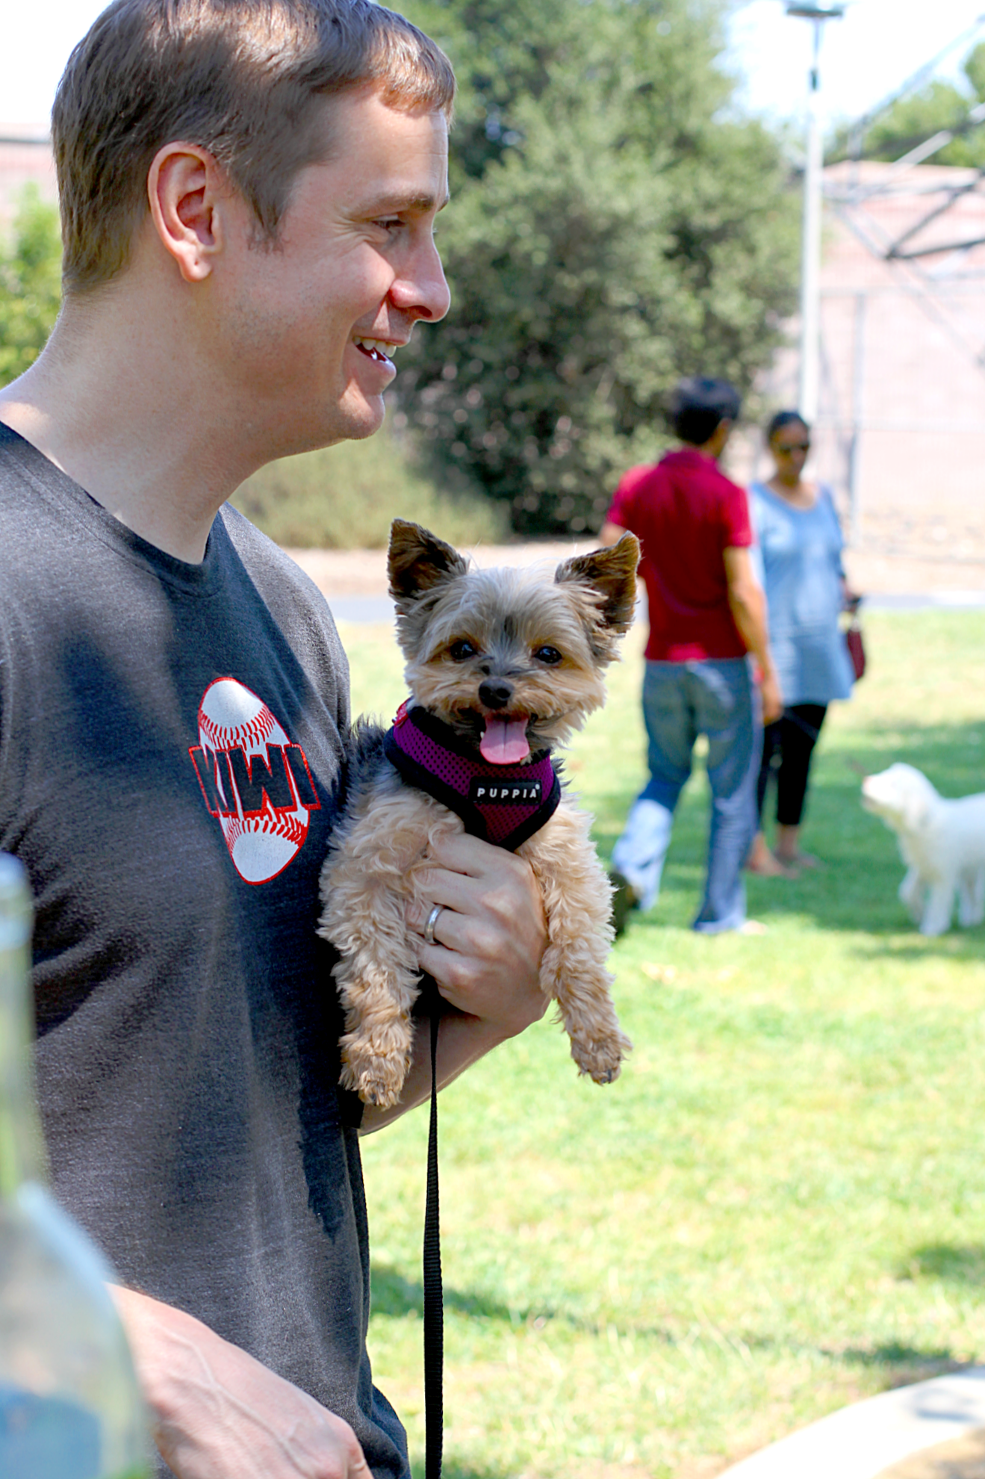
961, 1458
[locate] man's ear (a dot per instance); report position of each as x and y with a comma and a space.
611, 572
418, 560
183, 188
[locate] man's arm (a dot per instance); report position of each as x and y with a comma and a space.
748, 606
216, 1413
489, 941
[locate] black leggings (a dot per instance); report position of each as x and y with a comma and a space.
787, 748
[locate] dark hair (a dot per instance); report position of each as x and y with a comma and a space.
699, 405
245, 79
782, 419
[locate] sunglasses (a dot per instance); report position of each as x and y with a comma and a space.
794, 447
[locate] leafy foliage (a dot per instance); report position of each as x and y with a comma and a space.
612, 229
345, 497
30, 284
936, 107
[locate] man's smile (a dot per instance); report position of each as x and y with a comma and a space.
378, 349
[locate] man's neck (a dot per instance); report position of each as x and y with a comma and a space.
147, 443
703, 451
716, 443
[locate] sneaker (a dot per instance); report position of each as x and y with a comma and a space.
753, 927
624, 900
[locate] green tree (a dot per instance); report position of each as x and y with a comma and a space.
613, 227
935, 108
30, 283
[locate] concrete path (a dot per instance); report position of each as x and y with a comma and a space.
355, 583
865, 1440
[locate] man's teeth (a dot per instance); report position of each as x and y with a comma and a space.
378, 346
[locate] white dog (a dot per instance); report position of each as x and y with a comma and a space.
942, 843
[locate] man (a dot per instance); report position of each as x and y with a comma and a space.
706, 612
248, 190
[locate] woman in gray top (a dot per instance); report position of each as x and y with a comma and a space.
799, 549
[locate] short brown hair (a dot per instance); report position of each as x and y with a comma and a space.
243, 79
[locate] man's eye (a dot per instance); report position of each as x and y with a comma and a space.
463, 649
550, 655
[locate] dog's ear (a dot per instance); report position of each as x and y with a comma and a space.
612, 572
418, 560
919, 797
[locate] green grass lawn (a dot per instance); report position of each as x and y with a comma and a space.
780, 1206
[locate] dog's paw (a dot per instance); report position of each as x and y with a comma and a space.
601, 1059
377, 1081
932, 926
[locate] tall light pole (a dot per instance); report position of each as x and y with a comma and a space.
810, 249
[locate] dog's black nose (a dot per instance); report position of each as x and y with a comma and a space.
495, 693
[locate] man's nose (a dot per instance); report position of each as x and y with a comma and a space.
421, 291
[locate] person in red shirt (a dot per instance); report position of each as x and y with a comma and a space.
707, 616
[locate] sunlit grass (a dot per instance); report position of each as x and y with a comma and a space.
780, 1206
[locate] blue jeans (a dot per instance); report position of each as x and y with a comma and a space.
681, 700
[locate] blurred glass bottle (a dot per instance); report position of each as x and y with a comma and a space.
70, 1407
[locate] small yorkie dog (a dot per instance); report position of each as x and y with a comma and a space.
502, 665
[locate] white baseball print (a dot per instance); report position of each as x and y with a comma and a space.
237, 727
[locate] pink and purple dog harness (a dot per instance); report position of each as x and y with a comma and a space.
503, 804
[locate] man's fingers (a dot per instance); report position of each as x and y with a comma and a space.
436, 924
459, 852
469, 878
358, 1467
417, 910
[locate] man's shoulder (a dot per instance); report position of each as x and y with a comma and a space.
28, 510
292, 597
683, 464
261, 556
687, 468
645, 478
729, 486
635, 477
688, 462
21, 464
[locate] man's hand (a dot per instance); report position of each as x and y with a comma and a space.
216, 1413
769, 688
490, 935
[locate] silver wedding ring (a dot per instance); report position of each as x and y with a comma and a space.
432, 920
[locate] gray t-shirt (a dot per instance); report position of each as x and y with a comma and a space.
170, 761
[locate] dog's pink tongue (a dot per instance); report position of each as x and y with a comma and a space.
505, 741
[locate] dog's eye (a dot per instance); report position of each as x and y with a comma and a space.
462, 650
550, 655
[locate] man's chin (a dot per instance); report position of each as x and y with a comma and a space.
346, 425
361, 420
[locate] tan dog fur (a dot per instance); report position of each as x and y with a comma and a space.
549, 642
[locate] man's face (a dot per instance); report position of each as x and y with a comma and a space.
309, 326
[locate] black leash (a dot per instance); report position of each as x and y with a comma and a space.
410, 747
434, 1339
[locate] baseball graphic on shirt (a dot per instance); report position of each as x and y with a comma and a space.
255, 781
